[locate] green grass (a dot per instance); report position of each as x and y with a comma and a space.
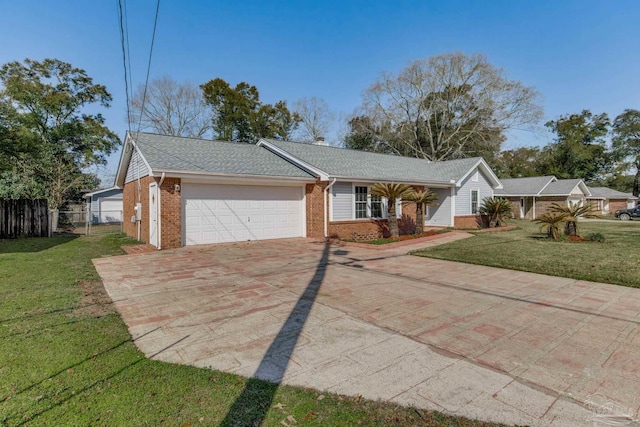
60, 365
525, 248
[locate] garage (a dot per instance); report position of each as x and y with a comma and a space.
236, 213
110, 210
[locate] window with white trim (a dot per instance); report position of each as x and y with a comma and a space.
475, 194
376, 206
361, 202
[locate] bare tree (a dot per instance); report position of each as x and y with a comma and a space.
171, 108
448, 106
316, 118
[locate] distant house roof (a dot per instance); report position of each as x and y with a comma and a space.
333, 162
530, 186
608, 193
542, 186
104, 190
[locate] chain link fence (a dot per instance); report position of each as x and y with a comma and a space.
87, 223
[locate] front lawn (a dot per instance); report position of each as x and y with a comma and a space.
525, 248
67, 359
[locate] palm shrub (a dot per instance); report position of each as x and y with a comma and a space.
551, 222
573, 211
496, 208
392, 192
421, 198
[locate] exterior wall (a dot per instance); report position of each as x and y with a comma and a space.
342, 201
314, 194
543, 203
136, 168
463, 193
441, 214
467, 221
170, 214
615, 204
129, 200
515, 207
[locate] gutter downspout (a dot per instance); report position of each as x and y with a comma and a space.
161, 180
326, 221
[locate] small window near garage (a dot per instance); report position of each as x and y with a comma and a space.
376, 206
361, 202
474, 201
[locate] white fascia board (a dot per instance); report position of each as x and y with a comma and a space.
584, 188
208, 176
552, 179
291, 158
125, 159
481, 164
101, 191
434, 184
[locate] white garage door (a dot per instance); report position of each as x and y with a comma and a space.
235, 213
110, 210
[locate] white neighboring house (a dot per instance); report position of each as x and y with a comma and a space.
105, 206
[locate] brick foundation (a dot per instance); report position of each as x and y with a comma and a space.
467, 221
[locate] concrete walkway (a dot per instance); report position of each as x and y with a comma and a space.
497, 345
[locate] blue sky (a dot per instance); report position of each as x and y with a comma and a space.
578, 54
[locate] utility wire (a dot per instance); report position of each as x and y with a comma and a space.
146, 82
124, 62
126, 32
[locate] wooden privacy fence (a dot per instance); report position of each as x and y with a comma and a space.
24, 217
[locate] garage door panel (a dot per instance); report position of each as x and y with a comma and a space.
229, 213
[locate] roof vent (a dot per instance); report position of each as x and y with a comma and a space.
320, 141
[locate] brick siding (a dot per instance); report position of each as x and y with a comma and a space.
171, 214
467, 221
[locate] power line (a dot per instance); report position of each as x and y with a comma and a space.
146, 82
126, 32
124, 62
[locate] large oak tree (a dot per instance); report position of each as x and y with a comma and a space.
50, 138
447, 106
239, 115
626, 144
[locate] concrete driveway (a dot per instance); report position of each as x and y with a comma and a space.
477, 341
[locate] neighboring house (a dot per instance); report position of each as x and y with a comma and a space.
184, 191
105, 206
532, 196
606, 200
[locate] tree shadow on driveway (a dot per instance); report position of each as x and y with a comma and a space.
251, 406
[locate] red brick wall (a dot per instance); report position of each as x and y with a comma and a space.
129, 200
467, 221
542, 204
361, 229
314, 207
170, 214
615, 204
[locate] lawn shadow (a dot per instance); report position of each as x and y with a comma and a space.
33, 244
251, 406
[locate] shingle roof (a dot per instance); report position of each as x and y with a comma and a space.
529, 186
354, 164
608, 193
169, 153
560, 187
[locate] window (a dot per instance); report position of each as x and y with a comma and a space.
474, 201
361, 202
376, 206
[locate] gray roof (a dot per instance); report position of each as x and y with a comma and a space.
170, 153
355, 164
530, 186
560, 187
608, 193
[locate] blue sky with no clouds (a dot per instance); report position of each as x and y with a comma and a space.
578, 54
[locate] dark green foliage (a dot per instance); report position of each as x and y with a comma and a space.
579, 150
47, 139
596, 237
518, 163
239, 115
626, 144
550, 223
498, 210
